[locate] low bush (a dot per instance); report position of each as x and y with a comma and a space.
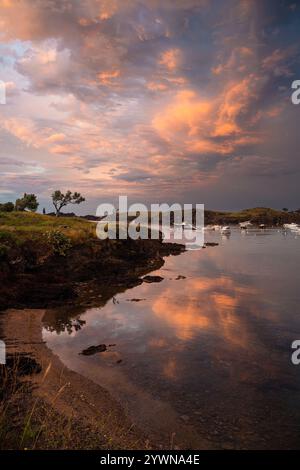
59, 242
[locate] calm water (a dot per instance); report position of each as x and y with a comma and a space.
203, 361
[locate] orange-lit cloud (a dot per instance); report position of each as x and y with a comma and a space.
107, 78
170, 59
196, 122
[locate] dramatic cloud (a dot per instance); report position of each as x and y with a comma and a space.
127, 97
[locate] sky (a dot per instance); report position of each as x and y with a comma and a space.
185, 101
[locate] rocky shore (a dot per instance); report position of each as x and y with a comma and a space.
34, 277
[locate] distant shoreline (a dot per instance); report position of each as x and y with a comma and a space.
257, 215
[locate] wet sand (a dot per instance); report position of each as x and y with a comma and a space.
72, 395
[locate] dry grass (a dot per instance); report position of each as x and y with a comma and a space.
27, 421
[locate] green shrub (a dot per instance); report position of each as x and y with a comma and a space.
7, 207
3, 252
59, 242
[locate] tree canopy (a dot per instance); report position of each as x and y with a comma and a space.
28, 201
7, 207
61, 200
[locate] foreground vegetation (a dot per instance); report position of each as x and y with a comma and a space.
29, 421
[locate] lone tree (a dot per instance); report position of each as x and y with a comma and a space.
28, 201
61, 200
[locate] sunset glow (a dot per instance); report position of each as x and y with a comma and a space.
124, 97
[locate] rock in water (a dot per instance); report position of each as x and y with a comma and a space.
153, 279
94, 349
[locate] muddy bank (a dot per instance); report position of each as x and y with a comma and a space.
34, 277
61, 408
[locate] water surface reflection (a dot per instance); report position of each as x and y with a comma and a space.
205, 353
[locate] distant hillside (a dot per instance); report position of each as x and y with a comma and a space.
257, 215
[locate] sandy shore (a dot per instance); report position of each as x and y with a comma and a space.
98, 421
73, 396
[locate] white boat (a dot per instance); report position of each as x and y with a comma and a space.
225, 229
245, 225
183, 224
292, 226
212, 227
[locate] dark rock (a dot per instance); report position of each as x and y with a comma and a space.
184, 418
174, 249
94, 349
151, 279
92, 217
23, 364
62, 214
180, 277
211, 244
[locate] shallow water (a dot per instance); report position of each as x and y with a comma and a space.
203, 361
